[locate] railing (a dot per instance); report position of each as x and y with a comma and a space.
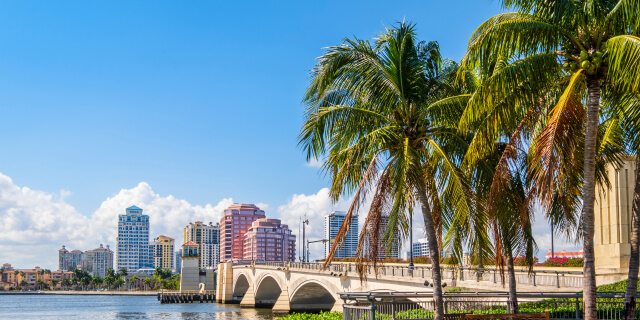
398, 305
555, 278
186, 296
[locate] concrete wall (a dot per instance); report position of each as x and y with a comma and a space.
189, 274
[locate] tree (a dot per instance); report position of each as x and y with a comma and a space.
109, 281
380, 114
134, 281
23, 282
120, 281
54, 282
146, 283
111, 272
594, 44
86, 280
66, 282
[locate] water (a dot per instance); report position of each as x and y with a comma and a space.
54, 307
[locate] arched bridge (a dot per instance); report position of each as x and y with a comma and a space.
293, 286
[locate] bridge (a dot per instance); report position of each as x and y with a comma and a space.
295, 286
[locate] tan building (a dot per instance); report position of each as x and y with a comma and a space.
12, 278
163, 254
613, 223
208, 239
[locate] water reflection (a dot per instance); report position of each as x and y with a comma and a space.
57, 307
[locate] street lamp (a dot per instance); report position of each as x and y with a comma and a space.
410, 269
304, 223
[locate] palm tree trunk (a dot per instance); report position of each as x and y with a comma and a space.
588, 194
434, 251
513, 295
634, 261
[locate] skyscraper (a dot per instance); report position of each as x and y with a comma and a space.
269, 240
99, 260
96, 262
163, 253
208, 239
394, 250
235, 221
332, 223
132, 244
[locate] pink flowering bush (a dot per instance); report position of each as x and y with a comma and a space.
563, 262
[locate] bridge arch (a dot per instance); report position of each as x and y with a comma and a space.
241, 284
268, 288
313, 295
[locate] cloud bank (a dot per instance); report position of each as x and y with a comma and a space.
35, 224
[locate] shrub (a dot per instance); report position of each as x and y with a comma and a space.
313, 316
421, 260
522, 261
563, 262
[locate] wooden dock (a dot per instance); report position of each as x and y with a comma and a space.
191, 296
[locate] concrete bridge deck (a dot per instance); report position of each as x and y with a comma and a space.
292, 286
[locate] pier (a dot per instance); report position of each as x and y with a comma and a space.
186, 296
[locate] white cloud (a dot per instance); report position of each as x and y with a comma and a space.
315, 206
314, 163
35, 224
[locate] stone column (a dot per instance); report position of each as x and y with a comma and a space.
613, 223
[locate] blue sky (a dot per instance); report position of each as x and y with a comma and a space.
201, 100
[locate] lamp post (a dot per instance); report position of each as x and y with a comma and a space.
304, 256
410, 269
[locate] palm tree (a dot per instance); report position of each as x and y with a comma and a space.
146, 283
54, 282
134, 281
593, 43
380, 114
66, 282
23, 282
120, 281
109, 281
97, 281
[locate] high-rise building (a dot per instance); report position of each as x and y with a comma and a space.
235, 221
178, 260
69, 260
96, 262
269, 240
394, 249
208, 238
163, 252
332, 223
132, 249
421, 248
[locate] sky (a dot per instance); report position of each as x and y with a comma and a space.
179, 107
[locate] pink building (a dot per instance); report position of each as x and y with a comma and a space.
269, 240
235, 221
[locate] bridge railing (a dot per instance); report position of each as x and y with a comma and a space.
407, 305
555, 278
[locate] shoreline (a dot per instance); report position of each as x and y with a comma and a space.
83, 293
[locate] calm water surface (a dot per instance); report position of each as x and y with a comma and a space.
118, 307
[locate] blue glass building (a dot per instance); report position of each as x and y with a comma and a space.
132, 245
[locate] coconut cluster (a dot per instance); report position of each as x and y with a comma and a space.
590, 62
